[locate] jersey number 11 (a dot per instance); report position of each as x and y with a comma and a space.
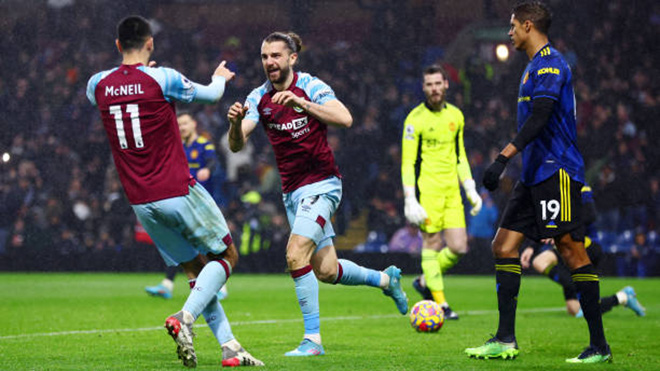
133, 110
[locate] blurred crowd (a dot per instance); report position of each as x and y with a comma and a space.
59, 189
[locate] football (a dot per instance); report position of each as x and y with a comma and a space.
427, 316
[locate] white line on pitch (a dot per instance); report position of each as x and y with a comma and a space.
258, 322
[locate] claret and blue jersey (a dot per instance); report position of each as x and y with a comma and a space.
548, 76
138, 112
299, 140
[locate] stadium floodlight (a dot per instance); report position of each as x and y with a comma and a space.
6, 157
502, 52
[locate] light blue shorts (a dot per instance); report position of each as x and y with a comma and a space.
310, 207
185, 226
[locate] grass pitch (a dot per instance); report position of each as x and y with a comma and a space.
106, 322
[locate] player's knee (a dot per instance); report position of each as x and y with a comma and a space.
572, 307
498, 248
460, 248
193, 267
540, 265
230, 255
295, 260
299, 252
326, 274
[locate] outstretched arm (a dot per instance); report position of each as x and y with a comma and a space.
212, 93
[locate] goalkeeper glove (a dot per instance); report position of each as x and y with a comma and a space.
414, 212
473, 196
494, 171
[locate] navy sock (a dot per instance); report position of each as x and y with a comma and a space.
507, 276
586, 281
607, 303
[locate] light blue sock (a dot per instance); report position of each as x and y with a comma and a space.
217, 320
349, 273
307, 291
210, 280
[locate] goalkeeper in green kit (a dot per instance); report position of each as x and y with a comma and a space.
433, 138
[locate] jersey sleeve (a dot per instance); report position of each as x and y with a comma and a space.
176, 86
409, 146
252, 102
91, 88
209, 151
93, 82
549, 77
462, 165
319, 92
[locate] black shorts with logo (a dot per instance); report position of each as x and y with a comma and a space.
547, 209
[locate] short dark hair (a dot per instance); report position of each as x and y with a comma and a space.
292, 41
184, 112
534, 11
435, 68
133, 31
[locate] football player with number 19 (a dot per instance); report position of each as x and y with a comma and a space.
137, 105
295, 109
546, 202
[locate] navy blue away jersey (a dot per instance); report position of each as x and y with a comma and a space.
548, 76
199, 154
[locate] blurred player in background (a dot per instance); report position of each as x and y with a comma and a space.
546, 202
137, 106
433, 140
544, 259
295, 109
202, 160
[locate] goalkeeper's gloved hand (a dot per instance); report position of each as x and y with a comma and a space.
494, 171
414, 212
470, 188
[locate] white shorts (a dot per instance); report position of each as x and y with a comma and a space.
310, 207
185, 226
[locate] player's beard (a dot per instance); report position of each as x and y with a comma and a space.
437, 99
284, 74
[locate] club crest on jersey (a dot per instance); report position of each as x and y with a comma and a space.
452, 126
186, 83
526, 78
194, 154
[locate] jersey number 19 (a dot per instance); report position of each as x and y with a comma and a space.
552, 206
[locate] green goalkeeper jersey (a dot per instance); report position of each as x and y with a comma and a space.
435, 138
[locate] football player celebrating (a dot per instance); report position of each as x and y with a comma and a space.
136, 102
295, 109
